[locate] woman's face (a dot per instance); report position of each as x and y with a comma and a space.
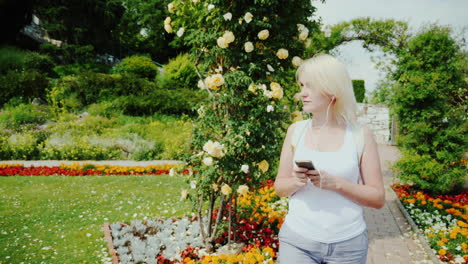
314, 101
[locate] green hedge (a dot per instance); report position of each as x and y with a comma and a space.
179, 73
359, 90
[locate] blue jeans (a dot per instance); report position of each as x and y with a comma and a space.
296, 249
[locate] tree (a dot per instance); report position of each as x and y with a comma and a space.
242, 52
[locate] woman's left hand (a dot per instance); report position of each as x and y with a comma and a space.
323, 180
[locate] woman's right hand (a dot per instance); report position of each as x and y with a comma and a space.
299, 177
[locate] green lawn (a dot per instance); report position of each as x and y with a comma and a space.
58, 219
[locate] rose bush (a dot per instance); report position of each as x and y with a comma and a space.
243, 53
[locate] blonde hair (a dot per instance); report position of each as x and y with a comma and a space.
331, 77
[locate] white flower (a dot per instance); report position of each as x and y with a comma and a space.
208, 161
248, 17
170, 7
144, 32
445, 120
296, 61
183, 194
228, 36
215, 187
245, 168
180, 32
243, 189
248, 46
222, 42
201, 84
171, 172
227, 16
300, 27
270, 108
214, 81
193, 184
276, 90
167, 21
270, 68
226, 190
282, 54
214, 149
303, 34
195, 1
264, 34
210, 6
268, 93
168, 28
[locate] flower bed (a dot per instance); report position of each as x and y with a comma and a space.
260, 215
443, 220
77, 169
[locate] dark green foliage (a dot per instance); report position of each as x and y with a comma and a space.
179, 73
359, 90
429, 100
29, 84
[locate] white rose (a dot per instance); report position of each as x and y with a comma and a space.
210, 6
170, 7
304, 34
208, 161
226, 190
270, 68
282, 54
227, 16
168, 28
300, 27
214, 81
296, 61
228, 36
201, 84
268, 93
195, 1
222, 42
144, 32
214, 149
270, 108
264, 34
180, 32
245, 168
243, 189
167, 21
248, 17
276, 90
249, 47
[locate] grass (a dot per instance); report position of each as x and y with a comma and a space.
58, 219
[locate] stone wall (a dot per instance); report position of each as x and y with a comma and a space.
377, 118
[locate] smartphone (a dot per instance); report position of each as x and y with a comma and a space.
305, 164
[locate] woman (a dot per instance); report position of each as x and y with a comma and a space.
325, 222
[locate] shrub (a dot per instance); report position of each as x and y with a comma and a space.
11, 58
23, 146
15, 117
179, 73
140, 66
105, 109
359, 90
431, 112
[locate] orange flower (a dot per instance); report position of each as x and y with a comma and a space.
442, 252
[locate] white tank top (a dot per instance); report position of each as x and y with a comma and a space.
322, 215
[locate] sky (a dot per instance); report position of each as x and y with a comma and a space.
416, 13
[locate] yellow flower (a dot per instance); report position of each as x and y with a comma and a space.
277, 91
263, 166
214, 81
226, 190
167, 21
171, 8
248, 47
222, 42
296, 61
264, 34
252, 88
243, 189
282, 54
442, 252
297, 116
228, 36
168, 28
